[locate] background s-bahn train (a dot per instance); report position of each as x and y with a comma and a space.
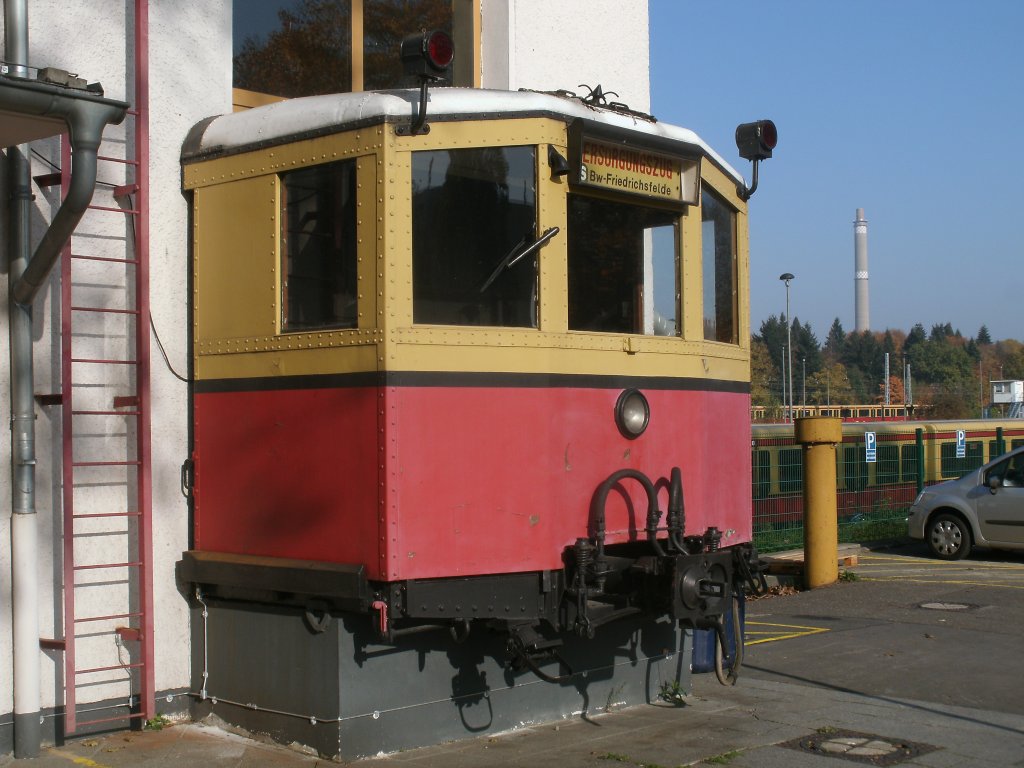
908, 454
470, 376
858, 412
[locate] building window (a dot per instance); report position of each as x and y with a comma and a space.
318, 246
473, 210
719, 257
291, 48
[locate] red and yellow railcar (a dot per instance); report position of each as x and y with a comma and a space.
493, 366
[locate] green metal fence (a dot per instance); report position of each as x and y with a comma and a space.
872, 497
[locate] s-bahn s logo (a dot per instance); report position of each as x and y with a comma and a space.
583, 172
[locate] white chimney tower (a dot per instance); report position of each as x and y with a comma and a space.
862, 321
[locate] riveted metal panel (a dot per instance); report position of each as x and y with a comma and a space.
553, 204
236, 242
285, 157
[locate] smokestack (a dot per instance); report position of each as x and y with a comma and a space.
862, 321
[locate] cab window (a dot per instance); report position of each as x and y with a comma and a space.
472, 210
718, 222
318, 245
623, 275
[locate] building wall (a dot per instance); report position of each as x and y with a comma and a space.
525, 43
544, 45
190, 78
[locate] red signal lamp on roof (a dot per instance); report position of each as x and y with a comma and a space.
755, 141
427, 56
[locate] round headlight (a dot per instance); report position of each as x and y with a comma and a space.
632, 413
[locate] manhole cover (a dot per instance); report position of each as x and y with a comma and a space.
859, 747
947, 606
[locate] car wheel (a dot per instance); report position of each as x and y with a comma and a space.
949, 538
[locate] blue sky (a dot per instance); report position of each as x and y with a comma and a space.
910, 109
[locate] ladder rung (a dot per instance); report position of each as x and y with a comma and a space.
108, 310
47, 179
89, 515
121, 160
103, 413
52, 643
125, 190
108, 618
83, 257
127, 463
110, 208
134, 665
109, 362
101, 565
126, 401
50, 399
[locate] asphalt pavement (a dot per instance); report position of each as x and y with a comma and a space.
904, 661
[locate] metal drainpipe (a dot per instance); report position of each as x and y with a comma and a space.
24, 571
86, 120
85, 117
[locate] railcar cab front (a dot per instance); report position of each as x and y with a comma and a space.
450, 372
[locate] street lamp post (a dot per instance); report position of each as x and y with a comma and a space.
785, 411
803, 382
786, 277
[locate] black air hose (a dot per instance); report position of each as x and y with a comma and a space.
652, 508
676, 511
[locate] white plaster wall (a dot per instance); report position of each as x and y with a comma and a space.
190, 78
552, 44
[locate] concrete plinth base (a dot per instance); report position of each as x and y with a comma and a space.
341, 694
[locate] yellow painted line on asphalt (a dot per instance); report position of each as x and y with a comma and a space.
78, 760
958, 582
785, 632
956, 565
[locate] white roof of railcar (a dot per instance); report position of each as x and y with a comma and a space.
318, 115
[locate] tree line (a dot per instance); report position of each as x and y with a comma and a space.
942, 372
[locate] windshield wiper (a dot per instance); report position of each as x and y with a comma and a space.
519, 250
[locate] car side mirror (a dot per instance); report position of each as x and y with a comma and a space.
994, 481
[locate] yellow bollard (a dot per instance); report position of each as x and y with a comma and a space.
819, 436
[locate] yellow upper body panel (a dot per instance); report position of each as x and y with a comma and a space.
245, 322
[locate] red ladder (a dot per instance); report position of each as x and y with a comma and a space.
105, 399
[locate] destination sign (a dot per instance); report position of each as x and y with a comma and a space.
617, 167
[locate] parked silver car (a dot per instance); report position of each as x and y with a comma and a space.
984, 508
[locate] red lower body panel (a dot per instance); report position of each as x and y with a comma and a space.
427, 482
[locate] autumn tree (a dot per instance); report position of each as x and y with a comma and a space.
897, 395
830, 385
764, 378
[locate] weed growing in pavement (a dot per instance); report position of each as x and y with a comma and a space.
672, 692
619, 758
848, 576
157, 723
724, 758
